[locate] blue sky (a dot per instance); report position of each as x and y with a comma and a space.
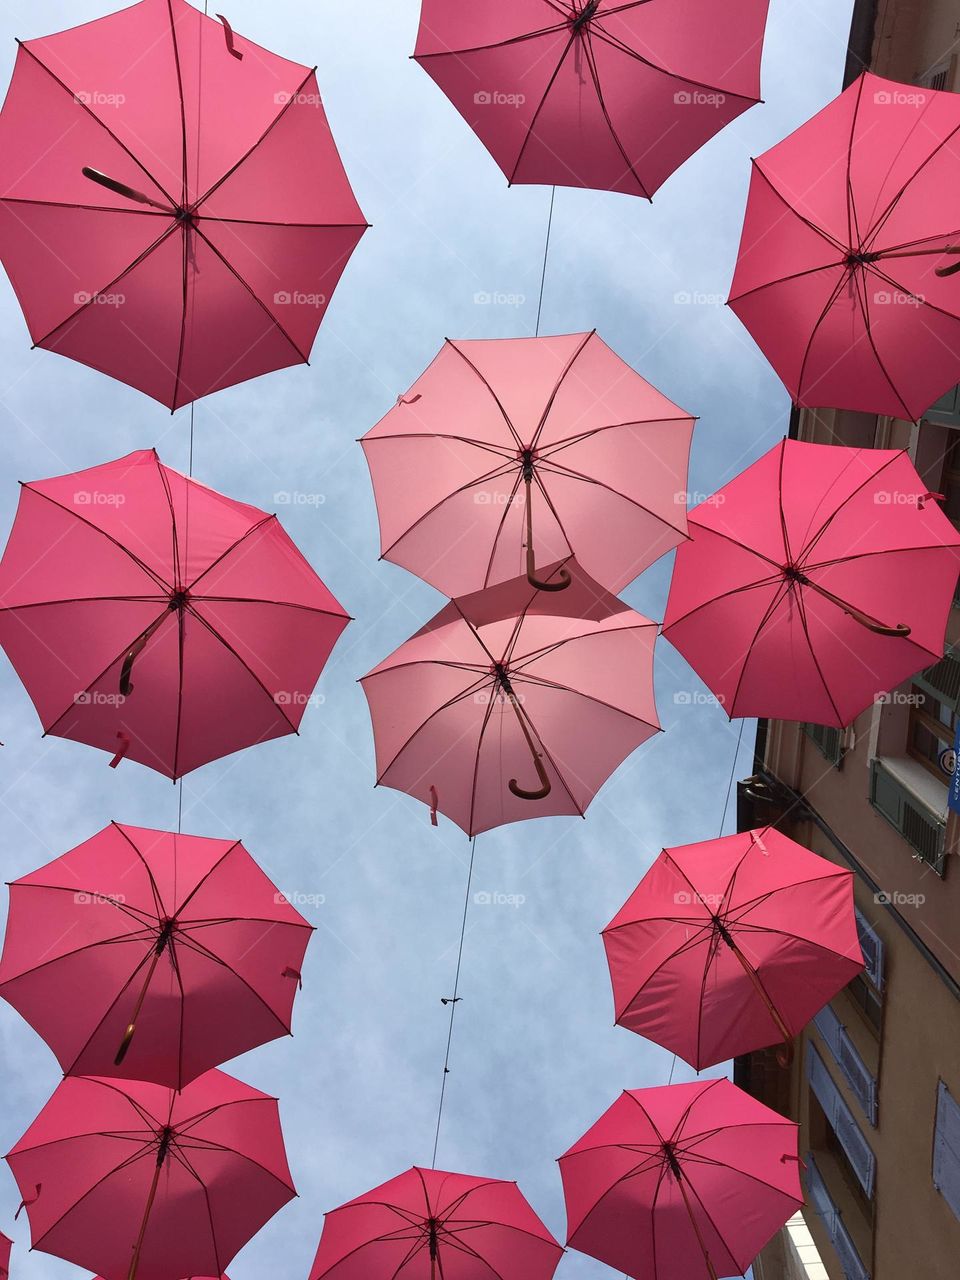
536, 1057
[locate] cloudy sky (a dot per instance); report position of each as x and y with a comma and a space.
536, 1057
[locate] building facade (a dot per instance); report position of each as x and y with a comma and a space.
875, 1080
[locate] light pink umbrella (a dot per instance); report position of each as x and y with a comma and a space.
177, 219
845, 275
731, 945
686, 1182
430, 1225
155, 618
818, 579
130, 1179
611, 94
513, 453
515, 703
147, 955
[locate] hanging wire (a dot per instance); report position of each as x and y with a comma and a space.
454, 1001
546, 252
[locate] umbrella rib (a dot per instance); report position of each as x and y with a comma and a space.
853, 229
716, 1230
124, 1164
500, 44
178, 1155
185, 258
544, 651
106, 1013
725, 595
194, 945
828, 307
578, 693
556, 768
841, 248
93, 116
164, 587
69, 955
552, 399
865, 312
518, 480
781, 594
554, 512
908, 292
568, 441
801, 609
86, 208
257, 299
501, 451
159, 904
595, 76
247, 154
495, 474
273, 604
254, 528
181, 622
867, 555
487, 713
618, 44
496, 399
542, 103
183, 112
97, 293
784, 532
178, 576
73, 705
49, 604
466, 693
291, 226
772, 284
901, 453
884, 217
579, 475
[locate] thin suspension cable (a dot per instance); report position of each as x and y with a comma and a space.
454, 1001
546, 252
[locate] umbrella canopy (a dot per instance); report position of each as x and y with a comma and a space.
685, 1182
133, 1179
6, 1244
731, 945
818, 579
152, 956
845, 276
178, 221
427, 1225
516, 452
154, 618
594, 93
514, 703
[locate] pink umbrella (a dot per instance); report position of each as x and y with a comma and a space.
818, 579
425, 1225
516, 452
731, 945
154, 618
610, 94
152, 956
135, 1179
6, 1244
178, 220
684, 1182
848, 248
515, 703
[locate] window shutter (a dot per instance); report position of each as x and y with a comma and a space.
840, 1117
946, 1149
871, 944
853, 1067
822, 1201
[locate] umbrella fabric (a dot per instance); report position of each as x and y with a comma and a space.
426, 1225
685, 1182
731, 945
851, 225
817, 580
171, 953
154, 618
6, 1244
514, 703
178, 221
594, 93
556, 438
134, 1179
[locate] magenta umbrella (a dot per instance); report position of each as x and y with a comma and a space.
731, 945
846, 275
159, 620
179, 219
512, 453
686, 1182
515, 703
148, 955
611, 94
816, 580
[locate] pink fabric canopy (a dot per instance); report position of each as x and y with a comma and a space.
851, 223
430, 1225
134, 1180
172, 953
556, 438
177, 220
510, 688
686, 1182
731, 945
611, 94
154, 618
817, 580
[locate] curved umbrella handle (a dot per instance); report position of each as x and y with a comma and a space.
954, 267
124, 1044
138, 646
545, 784
899, 632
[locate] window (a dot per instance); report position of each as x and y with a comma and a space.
923, 830
829, 742
950, 484
822, 1202
853, 1068
946, 412
946, 1149
933, 727
844, 1136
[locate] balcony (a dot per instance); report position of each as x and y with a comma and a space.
923, 829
